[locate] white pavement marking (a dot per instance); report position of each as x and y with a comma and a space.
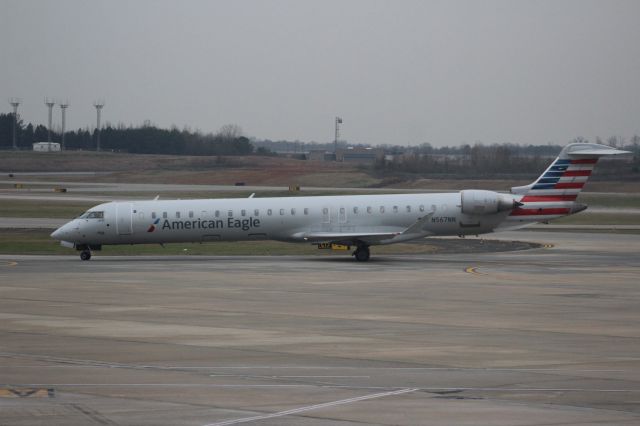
311, 407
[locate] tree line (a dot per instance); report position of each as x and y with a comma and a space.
145, 139
500, 160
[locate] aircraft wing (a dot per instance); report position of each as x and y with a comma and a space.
367, 237
416, 230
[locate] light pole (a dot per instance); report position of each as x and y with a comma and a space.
49, 103
14, 103
335, 141
63, 108
98, 105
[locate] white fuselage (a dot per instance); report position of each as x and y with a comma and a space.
285, 219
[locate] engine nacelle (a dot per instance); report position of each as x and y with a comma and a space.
480, 202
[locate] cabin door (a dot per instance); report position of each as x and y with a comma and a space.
124, 218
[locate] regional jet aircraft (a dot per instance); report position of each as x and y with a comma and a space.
339, 222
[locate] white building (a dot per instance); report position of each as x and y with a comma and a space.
46, 146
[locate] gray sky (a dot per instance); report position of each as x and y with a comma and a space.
401, 72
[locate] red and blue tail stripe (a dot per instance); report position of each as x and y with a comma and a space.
556, 190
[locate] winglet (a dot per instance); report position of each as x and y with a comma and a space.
252, 195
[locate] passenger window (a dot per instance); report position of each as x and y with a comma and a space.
153, 215
217, 213
190, 214
243, 212
177, 215
230, 213
293, 212
395, 209
421, 207
382, 209
281, 212
306, 211
269, 212
355, 210
408, 209
164, 215
256, 212
369, 209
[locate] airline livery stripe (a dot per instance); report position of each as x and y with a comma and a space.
567, 185
539, 212
554, 192
553, 174
558, 168
547, 198
585, 161
544, 186
548, 180
577, 173
573, 179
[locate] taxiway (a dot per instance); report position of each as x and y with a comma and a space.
534, 337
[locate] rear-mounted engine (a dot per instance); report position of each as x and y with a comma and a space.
479, 202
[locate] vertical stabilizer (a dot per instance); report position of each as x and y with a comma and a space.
553, 194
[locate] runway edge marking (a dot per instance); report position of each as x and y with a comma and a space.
312, 407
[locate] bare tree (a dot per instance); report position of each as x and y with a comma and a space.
615, 141
229, 132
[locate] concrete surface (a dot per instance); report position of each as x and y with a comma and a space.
536, 337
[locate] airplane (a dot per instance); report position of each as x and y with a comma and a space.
339, 222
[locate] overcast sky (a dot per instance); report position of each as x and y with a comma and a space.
401, 72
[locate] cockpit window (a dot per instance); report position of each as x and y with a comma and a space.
93, 215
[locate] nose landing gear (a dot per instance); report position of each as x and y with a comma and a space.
85, 254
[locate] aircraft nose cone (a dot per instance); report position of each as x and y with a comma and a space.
57, 234
63, 233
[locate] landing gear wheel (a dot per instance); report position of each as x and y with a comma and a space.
362, 254
85, 255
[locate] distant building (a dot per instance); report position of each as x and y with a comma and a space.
359, 155
46, 146
320, 155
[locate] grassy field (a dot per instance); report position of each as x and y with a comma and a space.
48, 209
599, 219
630, 200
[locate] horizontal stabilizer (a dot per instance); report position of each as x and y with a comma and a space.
595, 149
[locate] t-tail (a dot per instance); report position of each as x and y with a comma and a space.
554, 193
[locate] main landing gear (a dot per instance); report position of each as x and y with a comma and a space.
362, 253
85, 254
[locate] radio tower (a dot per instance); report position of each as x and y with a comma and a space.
14, 103
63, 108
49, 103
335, 141
98, 104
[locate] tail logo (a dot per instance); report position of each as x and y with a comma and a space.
152, 227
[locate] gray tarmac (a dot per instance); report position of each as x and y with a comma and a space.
533, 337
